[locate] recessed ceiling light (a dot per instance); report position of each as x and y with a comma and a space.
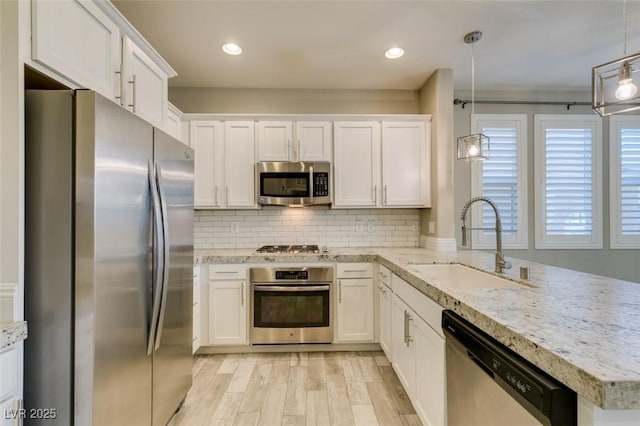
231, 49
394, 52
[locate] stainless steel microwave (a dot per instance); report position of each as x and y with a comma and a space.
288, 183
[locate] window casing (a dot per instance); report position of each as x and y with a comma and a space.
503, 179
568, 182
624, 182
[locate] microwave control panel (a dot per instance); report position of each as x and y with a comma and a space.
321, 184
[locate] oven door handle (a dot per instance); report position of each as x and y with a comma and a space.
290, 288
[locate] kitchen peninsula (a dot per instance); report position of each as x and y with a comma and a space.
579, 328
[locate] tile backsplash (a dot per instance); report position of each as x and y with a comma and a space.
216, 229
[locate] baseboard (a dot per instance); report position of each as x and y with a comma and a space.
248, 349
438, 244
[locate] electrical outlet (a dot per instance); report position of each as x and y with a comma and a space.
432, 227
235, 227
370, 226
359, 226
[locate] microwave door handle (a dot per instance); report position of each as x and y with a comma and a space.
311, 194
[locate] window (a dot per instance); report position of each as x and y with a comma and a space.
568, 186
624, 181
503, 179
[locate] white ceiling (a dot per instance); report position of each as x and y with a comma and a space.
539, 45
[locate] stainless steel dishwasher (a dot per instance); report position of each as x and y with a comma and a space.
490, 385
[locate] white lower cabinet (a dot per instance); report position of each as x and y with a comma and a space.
419, 351
430, 387
227, 309
402, 335
355, 321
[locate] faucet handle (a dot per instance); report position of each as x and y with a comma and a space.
507, 265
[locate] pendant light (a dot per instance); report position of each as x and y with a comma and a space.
614, 85
475, 146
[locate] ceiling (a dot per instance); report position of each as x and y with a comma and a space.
337, 44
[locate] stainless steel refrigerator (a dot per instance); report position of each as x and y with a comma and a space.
108, 263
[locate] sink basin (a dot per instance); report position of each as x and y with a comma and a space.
460, 276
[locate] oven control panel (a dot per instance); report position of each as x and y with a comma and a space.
292, 275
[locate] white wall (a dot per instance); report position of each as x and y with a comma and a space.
293, 101
317, 225
621, 264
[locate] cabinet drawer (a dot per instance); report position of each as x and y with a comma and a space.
426, 308
384, 274
227, 272
354, 270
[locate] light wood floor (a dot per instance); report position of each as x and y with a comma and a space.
317, 388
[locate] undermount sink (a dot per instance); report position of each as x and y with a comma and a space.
460, 276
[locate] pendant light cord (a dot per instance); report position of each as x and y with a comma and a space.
624, 25
473, 80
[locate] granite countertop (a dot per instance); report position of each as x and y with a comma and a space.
580, 328
12, 332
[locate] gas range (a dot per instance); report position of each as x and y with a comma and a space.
311, 248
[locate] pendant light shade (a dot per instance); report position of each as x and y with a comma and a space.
475, 146
615, 86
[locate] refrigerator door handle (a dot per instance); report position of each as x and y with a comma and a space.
165, 253
158, 258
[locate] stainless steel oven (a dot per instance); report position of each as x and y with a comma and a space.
291, 305
287, 183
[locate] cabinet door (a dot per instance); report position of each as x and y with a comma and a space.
402, 335
356, 162
174, 122
384, 319
145, 85
77, 40
240, 164
274, 140
206, 139
404, 164
429, 400
227, 313
355, 310
313, 141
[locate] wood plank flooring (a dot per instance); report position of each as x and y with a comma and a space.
314, 388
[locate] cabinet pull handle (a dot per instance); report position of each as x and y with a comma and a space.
226, 193
133, 83
375, 194
406, 328
119, 97
339, 291
385, 195
298, 151
226, 272
242, 294
289, 149
409, 338
355, 270
216, 197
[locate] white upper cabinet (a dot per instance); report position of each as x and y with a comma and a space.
381, 165
144, 85
275, 141
77, 40
224, 167
90, 45
294, 141
405, 166
240, 165
206, 139
174, 125
356, 163
313, 140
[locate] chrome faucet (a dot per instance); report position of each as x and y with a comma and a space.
501, 264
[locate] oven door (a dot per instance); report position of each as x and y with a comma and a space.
291, 313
